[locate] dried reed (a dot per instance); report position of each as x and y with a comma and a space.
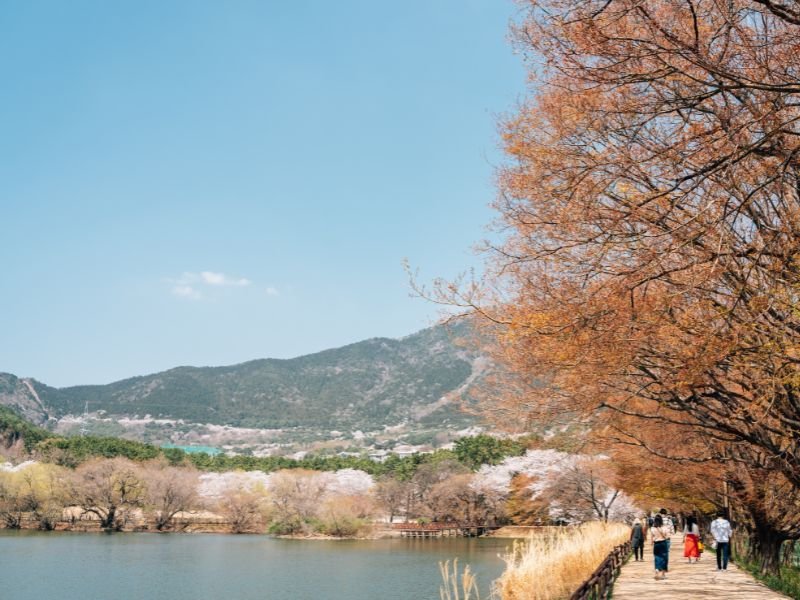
450, 590
554, 565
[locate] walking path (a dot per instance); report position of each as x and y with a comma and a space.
687, 581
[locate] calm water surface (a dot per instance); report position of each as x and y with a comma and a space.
130, 566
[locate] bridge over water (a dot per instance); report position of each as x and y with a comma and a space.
426, 530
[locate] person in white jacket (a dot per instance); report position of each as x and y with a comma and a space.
721, 531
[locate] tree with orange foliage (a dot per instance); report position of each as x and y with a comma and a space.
522, 508
684, 487
649, 273
652, 218
767, 505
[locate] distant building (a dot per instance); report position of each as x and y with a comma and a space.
210, 450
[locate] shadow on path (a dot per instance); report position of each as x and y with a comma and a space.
688, 580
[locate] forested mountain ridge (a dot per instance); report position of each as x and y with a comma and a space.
364, 385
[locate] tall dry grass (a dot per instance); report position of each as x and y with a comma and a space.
457, 587
554, 565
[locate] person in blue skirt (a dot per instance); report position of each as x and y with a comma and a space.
660, 536
669, 525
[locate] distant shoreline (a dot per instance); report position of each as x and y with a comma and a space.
377, 532
185, 527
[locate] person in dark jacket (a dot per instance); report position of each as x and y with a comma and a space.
638, 534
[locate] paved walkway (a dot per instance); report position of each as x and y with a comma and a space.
688, 581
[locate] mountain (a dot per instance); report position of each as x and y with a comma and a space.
364, 386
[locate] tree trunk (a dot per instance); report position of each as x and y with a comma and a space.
788, 553
108, 522
746, 545
12, 520
769, 550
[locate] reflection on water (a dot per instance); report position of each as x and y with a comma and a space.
72, 566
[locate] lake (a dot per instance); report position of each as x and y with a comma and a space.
131, 566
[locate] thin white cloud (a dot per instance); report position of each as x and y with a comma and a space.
190, 285
211, 278
186, 291
272, 291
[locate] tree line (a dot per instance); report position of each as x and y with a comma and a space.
123, 484
22, 438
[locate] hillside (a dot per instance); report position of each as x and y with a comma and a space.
363, 386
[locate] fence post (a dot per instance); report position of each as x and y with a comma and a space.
600, 582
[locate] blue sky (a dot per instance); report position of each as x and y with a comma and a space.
204, 183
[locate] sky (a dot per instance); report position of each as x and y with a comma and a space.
205, 183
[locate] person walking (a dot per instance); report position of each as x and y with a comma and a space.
691, 539
637, 540
660, 536
721, 531
669, 525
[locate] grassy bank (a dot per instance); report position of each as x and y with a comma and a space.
788, 583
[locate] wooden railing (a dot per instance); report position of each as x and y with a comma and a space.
439, 525
599, 584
